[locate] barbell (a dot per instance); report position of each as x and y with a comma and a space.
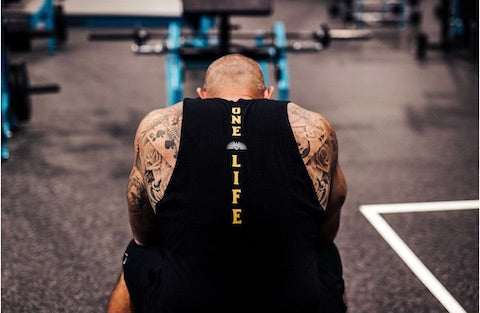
20, 90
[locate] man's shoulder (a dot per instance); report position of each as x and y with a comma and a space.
163, 113
169, 115
317, 145
299, 115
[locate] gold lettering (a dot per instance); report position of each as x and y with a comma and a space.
235, 177
236, 131
236, 110
235, 161
236, 119
236, 195
236, 218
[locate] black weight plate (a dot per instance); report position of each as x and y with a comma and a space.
397, 9
334, 10
413, 2
60, 25
348, 18
17, 33
19, 85
415, 18
231, 7
421, 48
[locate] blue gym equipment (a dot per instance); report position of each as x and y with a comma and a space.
16, 88
204, 33
458, 29
371, 13
193, 34
38, 16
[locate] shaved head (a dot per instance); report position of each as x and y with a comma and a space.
234, 72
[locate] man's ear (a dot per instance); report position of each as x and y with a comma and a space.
268, 93
201, 93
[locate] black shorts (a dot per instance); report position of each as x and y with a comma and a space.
142, 267
142, 270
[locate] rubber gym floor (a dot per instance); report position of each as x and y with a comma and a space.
408, 132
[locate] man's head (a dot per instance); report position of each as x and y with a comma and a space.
232, 77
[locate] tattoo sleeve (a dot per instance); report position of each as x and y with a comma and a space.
317, 146
156, 148
160, 142
140, 213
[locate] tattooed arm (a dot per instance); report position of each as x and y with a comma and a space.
155, 153
140, 212
317, 144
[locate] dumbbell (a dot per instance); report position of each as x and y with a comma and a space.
20, 90
397, 9
19, 36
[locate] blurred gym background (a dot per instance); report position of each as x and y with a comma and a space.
397, 78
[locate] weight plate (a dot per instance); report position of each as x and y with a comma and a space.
19, 86
421, 48
60, 25
397, 9
334, 10
17, 33
415, 18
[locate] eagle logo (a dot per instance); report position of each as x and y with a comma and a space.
236, 145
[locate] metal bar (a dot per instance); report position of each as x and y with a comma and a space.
45, 16
350, 34
173, 65
304, 47
386, 7
206, 22
119, 21
41, 89
456, 23
403, 18
281, 63
341, 34
263, 64
445, 24
149, 49
359, 10
123, 36
204, 38
224, 38
50, 25
209, 55
6, 127
35, 34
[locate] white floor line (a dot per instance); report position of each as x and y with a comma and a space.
424, 206
372, 213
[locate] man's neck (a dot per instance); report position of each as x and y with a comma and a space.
236, 98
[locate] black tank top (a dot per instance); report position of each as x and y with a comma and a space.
245, 241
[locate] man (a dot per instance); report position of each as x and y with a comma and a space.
234, 201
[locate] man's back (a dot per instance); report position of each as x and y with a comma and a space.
234, 202
238, 214
158, 137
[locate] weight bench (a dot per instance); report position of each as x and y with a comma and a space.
204, 33
202, 49
122, 13
211, 36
